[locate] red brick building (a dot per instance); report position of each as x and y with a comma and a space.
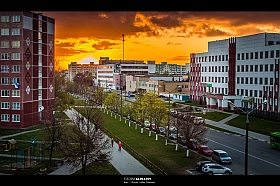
26, 68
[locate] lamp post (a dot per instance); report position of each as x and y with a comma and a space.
247, 129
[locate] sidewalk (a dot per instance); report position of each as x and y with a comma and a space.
121, 160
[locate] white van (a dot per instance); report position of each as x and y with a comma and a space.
221, 157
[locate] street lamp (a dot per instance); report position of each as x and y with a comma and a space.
247, 129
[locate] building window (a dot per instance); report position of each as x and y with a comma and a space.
266, 81
5, 56
261, 55
15, 44
4, 19
15, 68
260, 93
238, 56
277, 53
251, 80
272, 54
242, 80
15, 93
255, 93
256, 55
4, 44
5, 93
256, 68
266, 54
266, 67
271, 67
246, 92
256, 80
15, 118
5, 105
4, 31
251, 68
271, 81
5, 68
39, 35
15, 56
261, 81
16, 106
5, 81
15, 31
261, 68
15, 19
251, 55
5, 117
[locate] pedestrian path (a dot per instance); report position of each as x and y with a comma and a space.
125, 163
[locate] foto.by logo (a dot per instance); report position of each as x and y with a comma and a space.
138, 180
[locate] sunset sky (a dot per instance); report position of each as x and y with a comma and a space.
84, 36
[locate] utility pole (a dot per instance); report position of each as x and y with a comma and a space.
123, 45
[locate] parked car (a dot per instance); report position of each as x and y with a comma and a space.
173, 136
193, 144
199, 164
161, 130
221, 157
213, 168
204, 150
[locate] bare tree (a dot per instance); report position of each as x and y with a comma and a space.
53, 128
187, 128
85, 142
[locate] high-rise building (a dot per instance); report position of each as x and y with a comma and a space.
27, 68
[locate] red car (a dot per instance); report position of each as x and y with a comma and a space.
204, 150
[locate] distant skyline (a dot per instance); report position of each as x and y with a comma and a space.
170, 36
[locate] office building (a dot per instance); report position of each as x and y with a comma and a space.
243, 70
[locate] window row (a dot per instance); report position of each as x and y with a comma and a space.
257, 68
6, 44
6, 117
239, 56
6, 81
6, 56
212, 69
253, 93
6, 68
239, 68
6, 105
6, 93
256, 80
12, 31
6, 19
214, 79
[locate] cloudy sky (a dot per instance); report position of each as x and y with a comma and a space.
161, 36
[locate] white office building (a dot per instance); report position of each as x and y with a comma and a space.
243, 70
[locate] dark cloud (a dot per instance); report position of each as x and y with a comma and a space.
64, 44
111, 25
180, 58
171, 43
167, 22
103, 45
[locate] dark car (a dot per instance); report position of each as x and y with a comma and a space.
199, 164
193, 144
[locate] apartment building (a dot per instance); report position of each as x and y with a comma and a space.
243, 70
27, 68
74, 68
171, 69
